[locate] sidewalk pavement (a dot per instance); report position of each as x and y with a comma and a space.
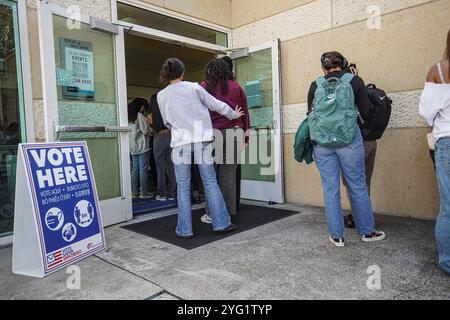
287, 259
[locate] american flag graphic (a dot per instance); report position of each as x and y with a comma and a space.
54, 259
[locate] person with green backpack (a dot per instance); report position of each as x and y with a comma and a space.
335, 102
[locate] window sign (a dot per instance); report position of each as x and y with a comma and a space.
77, 75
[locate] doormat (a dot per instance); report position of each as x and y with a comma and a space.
141, 206
249, 217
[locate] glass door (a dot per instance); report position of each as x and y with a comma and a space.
257, 69
85, 100
12, 124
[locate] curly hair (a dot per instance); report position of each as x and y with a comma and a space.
217, 73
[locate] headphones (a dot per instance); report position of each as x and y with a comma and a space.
326, 62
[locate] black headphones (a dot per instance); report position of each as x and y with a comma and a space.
326, 62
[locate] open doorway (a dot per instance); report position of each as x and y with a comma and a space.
144, 58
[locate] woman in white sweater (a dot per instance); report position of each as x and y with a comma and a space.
139, 148
435, 109
185, 109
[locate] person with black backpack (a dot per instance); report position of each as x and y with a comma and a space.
376, 122
333, 104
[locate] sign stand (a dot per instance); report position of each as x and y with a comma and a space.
27, 256
57, 215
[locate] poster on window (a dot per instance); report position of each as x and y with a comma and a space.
76, 77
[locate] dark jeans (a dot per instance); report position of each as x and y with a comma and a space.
238, 187
196, 179
227, 166
165, 172
152, 181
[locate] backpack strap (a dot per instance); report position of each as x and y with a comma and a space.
320, 82
347, 77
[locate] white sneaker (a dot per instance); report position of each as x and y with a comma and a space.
206, 219
375, 236
146, 196
337, 242
159, 198
170, 199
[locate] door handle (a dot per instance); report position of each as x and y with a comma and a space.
61, 129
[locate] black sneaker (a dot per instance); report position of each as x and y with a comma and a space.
375, 236
230, 228
349, 222
337, 242
197, 200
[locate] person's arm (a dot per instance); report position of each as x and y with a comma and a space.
142, 124
311, 93
428, 107
431, 77
150, 119
216, 105
361, 97
162, 111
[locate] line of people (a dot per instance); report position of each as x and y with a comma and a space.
342, 142
338, 109
339, 122
192, 126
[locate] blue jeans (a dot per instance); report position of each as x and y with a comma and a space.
442, 157
349, 159
139, 173
181, 157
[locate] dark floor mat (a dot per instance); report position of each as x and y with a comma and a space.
249, 217
141, 206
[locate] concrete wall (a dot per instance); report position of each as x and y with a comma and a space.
216, 11
397, 58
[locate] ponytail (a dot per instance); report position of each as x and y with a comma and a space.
172, 69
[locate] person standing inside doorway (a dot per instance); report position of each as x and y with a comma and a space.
166, 183
139, 148
435, 109
230, 65
184, 108
220, 83
332, 103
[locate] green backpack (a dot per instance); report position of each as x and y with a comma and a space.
333, 119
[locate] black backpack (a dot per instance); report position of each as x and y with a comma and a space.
380, 108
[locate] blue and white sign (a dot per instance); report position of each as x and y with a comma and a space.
64, 203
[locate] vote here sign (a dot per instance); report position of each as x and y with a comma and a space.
61, 205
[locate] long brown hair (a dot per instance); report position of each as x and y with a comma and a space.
134, 107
